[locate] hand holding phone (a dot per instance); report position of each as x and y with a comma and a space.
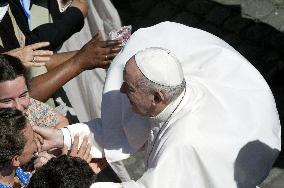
123, 33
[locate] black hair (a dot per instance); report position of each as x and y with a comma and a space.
12, 140
63, 172
11, 68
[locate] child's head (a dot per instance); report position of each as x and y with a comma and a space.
63, 172
17, 144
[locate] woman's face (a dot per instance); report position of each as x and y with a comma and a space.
14, 94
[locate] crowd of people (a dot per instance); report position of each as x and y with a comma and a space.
202, 114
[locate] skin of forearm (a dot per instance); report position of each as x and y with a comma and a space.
43, 86
58, 59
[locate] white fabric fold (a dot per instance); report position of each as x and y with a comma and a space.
227, 130
3, 11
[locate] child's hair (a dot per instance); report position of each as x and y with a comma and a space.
63, 172
12, 140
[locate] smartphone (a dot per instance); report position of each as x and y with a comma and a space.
123, 33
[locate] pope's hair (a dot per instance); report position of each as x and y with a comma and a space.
170, 92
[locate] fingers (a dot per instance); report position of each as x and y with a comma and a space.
42, 159
42, 53
38, 145
83, 147
52, 138
74, 148
38, 57
87, 155
109, 51
64, 150
32, 64
46, 155
84, 150
39, 130
39, 162
99, 41
38, 45
38, 140
41, 59
105, 64
115, 50
111, 43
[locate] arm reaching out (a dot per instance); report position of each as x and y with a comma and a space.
56, 138
31, 56
51, 137
94, 54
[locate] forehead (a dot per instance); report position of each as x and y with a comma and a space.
13, 87
131, 71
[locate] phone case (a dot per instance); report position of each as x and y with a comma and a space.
124, 33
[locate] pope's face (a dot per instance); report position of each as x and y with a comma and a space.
140, 101
14, 94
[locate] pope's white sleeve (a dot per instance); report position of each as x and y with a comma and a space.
66, 137
106, 185
91, 129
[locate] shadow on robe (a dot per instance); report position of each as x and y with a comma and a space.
253, 164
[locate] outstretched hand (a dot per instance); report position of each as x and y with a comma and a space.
98, 53
83, 152
50, 137
31, 56
42, 159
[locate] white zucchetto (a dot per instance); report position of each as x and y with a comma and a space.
160, 66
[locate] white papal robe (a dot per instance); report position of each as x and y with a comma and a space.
225, 132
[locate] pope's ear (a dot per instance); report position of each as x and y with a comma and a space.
15, 161
159, 97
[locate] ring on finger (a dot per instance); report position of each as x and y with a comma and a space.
34, 59
106, 57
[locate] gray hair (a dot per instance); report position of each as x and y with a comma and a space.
170, 92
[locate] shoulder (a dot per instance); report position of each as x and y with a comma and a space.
40, 114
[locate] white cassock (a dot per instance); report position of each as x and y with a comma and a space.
225, 132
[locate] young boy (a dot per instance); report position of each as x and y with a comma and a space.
17, 147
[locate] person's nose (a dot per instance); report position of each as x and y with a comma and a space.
18, 105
